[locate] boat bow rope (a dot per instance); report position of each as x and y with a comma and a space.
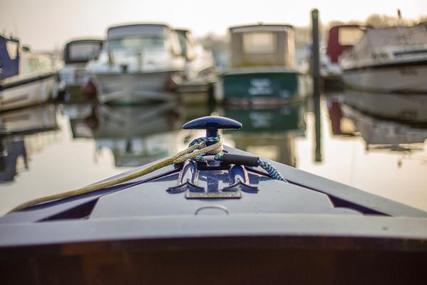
201, 149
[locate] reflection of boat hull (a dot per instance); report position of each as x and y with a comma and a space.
397, 78
408, 107
261, 86
26, 92
385, 133
282, 119
137, 135
29, 120
133, 88
280, 126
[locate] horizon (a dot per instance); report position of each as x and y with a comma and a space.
52, 23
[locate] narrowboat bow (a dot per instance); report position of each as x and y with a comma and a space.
221, 215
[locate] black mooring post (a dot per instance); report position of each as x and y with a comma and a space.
315, 72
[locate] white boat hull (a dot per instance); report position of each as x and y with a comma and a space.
27, 93
396, 79
129, 88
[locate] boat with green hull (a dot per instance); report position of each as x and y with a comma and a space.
263, 68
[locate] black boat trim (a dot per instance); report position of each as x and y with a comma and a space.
388, 65
25, 81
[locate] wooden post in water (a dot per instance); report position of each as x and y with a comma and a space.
315, 72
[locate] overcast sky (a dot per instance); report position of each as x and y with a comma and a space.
46, 24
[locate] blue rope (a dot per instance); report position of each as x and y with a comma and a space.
271, 170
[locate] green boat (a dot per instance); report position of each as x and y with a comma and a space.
263, 70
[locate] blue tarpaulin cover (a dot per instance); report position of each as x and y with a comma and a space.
8, 66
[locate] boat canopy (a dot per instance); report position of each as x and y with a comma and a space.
137, 30
9, 57
81, 51
262, 45
378, 38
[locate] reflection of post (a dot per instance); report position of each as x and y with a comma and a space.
315, 71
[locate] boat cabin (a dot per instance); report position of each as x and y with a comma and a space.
342, 38
262, 45
139, 37
186, 43
81, 51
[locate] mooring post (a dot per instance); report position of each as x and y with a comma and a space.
315, 73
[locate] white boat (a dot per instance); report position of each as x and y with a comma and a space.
73, 76
138, 63
199, 61
392, 59
26, 78
199, 70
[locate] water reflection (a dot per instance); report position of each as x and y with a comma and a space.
19, 137
372, 141
269, 132
137, 135
384, 121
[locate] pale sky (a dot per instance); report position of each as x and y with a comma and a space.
45, 24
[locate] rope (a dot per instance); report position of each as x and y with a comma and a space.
196, 149
271, 170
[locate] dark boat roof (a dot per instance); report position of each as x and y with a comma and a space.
83, 40
138, 25
132, 29
245, 28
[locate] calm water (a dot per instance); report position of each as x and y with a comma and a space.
53, 148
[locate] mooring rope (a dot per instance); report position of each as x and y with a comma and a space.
192, 151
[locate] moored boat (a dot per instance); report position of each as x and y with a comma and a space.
26, 78
262, 67
341, 38
391, 60
219, 213
199, 71
138, 63
73, 76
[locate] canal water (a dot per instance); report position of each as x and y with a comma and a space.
370, 141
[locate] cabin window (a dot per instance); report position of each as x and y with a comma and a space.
349, 36
175, 46
259, 43
83, 51
12, 49
136, 43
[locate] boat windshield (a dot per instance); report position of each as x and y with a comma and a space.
83, 51
259, 43
349, 36
137, 43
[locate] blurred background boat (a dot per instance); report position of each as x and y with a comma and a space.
26, 78
262, 68
138, 63
341, 38
73, 76
390, 59
199, 70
